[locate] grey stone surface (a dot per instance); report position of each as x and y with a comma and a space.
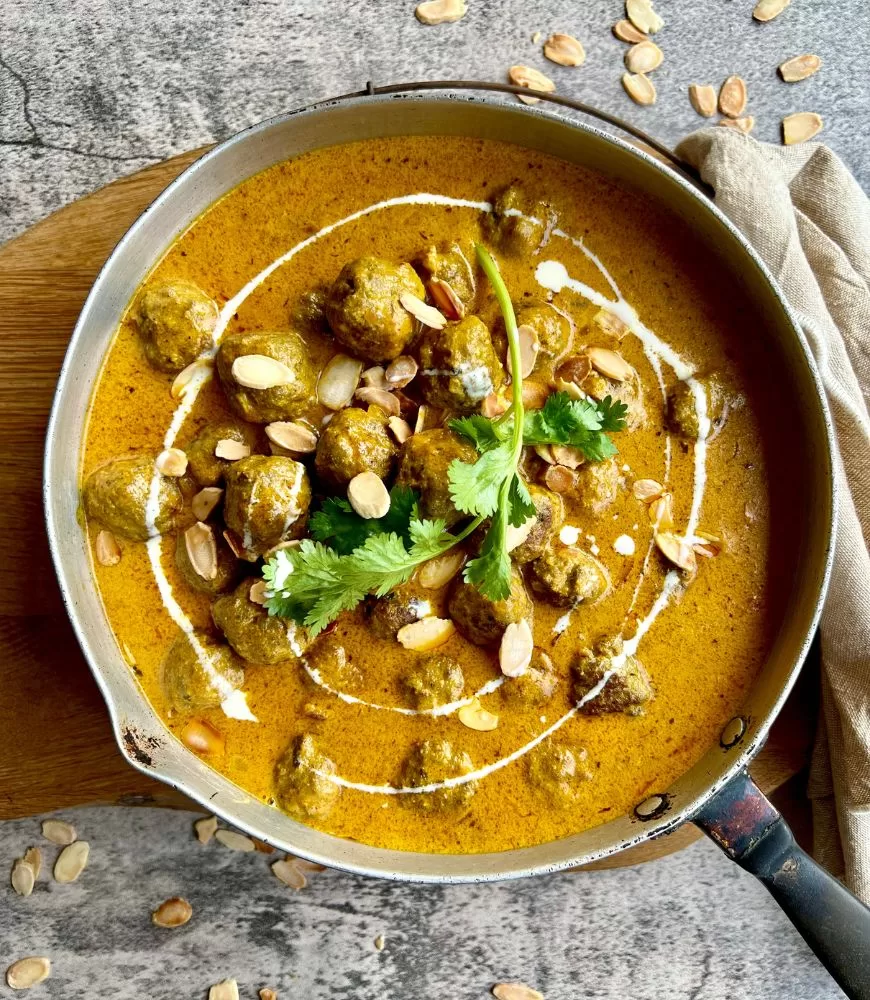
691, 926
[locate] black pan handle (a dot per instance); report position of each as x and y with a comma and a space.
831, 920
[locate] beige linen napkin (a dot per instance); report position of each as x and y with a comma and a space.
810, 222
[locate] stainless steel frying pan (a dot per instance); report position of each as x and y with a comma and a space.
717, 793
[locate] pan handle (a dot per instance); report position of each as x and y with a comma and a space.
831, 920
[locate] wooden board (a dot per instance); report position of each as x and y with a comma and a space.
56, 745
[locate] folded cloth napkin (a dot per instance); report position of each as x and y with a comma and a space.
809, 220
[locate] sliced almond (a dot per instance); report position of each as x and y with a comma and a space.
23, 876
201, 549
676, 550
292, 435
438, 572
575, 369
374, 378
706, 545
259, 371
400, 429
231, 450
235, 841
643, 17
528, 76
267, 994
494, 405
570, 388
799, 67
440, 11
306, 866
515, 991
732, 97
515, 651
27, 972
744, 124
703, 99
33, 856
610, 363
625, 31
185, 377
205, 828
639, 88
380, 942
379, 397
559, 479
235, 544
647, 490
106, 549
534, 394
205, 502
529, 344
400, 372
661, 512
426, 314
428, 417
71, 861
799, 127
565, 50
338, 381
567, 455
173, 912
171, 462
643, 57
289, 874
767, 10
545, 453
609, 323
226, 990
569, 534
445, 298
368, 496
426, 634
475, 716
58, 831
202, 737
257, 593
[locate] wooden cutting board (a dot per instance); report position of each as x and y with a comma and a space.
56, 746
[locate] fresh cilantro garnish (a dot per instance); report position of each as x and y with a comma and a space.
338, 525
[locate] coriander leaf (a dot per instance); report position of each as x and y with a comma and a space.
559, 419
482, 432
520, 507
474, 487
490, 572
612, 414
429, 538
338, 525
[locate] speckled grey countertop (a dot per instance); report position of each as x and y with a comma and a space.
91, 90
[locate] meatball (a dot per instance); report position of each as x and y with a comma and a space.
299, 789
355, 441
423, 465
557, 771
400, 607
554, 330
450, 264
626, 690
364, 311
682, 415
565, 575
328, 658
517, 234
435, 680
207, 469
116, 494
550, 513
200, 673
535, 687
266, 501
433, 761
253, 633
597, 485
228, 567
458, 365
176, 321
482, 620
287, 401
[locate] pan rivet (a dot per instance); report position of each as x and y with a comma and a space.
653, 807
733, 732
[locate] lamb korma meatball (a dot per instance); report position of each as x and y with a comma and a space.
557, 771
436, 679
189, 673
432, 761
176, 321
565, 575
682, 412
449, 263
204, 465
299, 789
536, 686
266, 501
364, 311
423, 465
116, 495
254, 634
553, 329
597, 485
458, 365
401, 606
227, 567
482, 620
627, 689
355, 441
516, 234
549, 515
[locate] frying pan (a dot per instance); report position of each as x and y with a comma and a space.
717, 793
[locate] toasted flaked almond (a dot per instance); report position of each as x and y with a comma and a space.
515, 535
235, 544
767, 10
288, 872
33, 856
71, 861
545, 453
703, 99
676, 550
574, 369
202, 737
571, 388
534, 79
374, 378
639, 88
400, 429
643, 57
475, 716
515, 991
106, 549
426, 634
201, 549
27, 972
568, 455
661, 512
306, 866
400, 372
569, 534
427, 418
267, 993
706, 545
228, 989
23, 876
171, 462
529, 344
58, 831
379, 397
205, 828
231, 450
565, 50
257, 592
338, 381
647, 490
799, 67
610, 363
800, 127
535, 394
234, 841
445, 298
625, 31
438, 572
174, 912
440, 11
292, 435
494, 405
609, 323
559, 479
368, 496
426, 314
205, 502
744, 124
259, 371
732, 97
127, 653
182, 382
515, 651
643, 17
380, 942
